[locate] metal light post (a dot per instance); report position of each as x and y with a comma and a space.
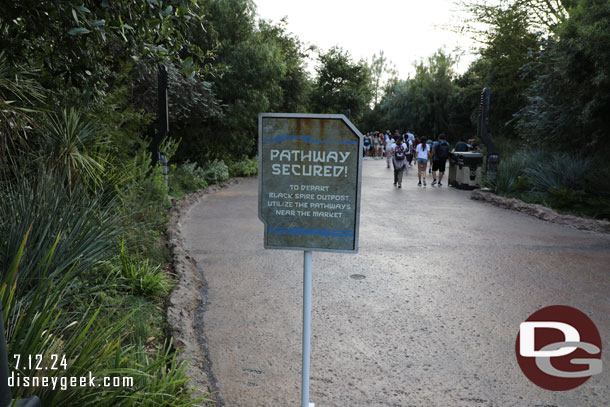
493, 158
163, 114
6, 398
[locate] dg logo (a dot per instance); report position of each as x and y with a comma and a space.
559, 348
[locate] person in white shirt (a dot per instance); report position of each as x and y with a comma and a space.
388, 146
421, 153
410, 136
409, 152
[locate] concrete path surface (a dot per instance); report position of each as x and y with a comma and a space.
426, 314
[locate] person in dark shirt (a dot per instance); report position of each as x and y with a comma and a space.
440, 154
461, 147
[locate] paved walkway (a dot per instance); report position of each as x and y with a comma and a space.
447, 282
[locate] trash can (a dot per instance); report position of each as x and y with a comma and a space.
468, 170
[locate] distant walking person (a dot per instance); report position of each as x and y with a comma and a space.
388, 146
410, 136
366, 145
430, 144
421, 153
375, 146
440, 154
381, 145
398, 151
409, 144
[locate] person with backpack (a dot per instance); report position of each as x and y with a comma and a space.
398, 151
440, 154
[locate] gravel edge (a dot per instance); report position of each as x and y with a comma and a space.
542, 212
185, 296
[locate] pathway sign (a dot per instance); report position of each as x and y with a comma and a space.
310, 171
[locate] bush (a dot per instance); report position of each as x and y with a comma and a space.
507, 175
561, 171
512, 176
244, 168
45, 209
38, 325
215, 172
74, 145
185, 178
560, 180
144, 204
142, 277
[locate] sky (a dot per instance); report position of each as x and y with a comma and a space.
406, 30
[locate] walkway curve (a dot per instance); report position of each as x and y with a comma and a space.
447, 282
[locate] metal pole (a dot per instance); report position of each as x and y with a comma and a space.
306, 328
163, 162
163, 115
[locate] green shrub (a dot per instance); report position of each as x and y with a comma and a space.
142, 277
215, 172
143, 191
512, 176
185, 178
147, 319
37, 325
74, 145
244, 168
143, 206
560, 180
557, 172
507, 175
44, 208
566, 198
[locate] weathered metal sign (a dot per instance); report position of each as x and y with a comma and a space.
310, 170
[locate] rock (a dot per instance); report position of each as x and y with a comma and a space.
542, 212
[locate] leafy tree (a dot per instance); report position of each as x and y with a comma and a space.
422, 103
463, 117
378, 68
102, 56
262, 71
82, 45
341, 84
568, 103
509, 32
539, 15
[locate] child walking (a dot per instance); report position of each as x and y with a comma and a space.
421, 152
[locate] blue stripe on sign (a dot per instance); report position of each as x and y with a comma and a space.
283, 137
278, 230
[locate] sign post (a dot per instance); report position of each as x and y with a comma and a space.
310, 172
307, 260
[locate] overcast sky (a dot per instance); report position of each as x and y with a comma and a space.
406, 30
